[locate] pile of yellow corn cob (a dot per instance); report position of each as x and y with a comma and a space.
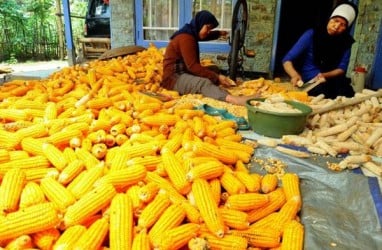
123, 170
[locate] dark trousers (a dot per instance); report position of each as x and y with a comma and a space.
339, 86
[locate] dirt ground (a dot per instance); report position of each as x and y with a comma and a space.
34, 66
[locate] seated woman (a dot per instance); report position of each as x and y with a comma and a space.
182, 70
324, 54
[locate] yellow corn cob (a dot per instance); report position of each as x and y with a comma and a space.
225, 132
99, 150
165, 185
208, 209
223, 124
241, 155
84, 183
100, 124
89, 204
32, 146
34, 131
177, 237
71, 171
133, 193
138, 137
69, 154
149, 161
262, 237
197, 243
208, 149
151, 213
21, 242
235, 137
50, 111
176, 172
207, 170
44, 240
231, 183
144, 149
235, 219
31, 195
117, 129
276, 201
28, 220
81, 126
269, 182
125, 177
154, 106
287, 213
36, 174
120, 159
192, 213
87, 158
10, 190
266, 221
121, 222
225, 243
97, 136
121, 139
54, 155
12, 114
249, 182
241, 167
216, 189
57, 193
141, 241
148, 192
160, 119
235, 145
56, 126
63, 137
28, 104
27, 163
291, 186
173, 144
99, 103
4, 155
293, 236
188, 113
199, 126
69, 237
171, 217
86, 144
9, 140
17, 155
246, 201
94, 236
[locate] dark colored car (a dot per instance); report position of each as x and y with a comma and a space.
97, 20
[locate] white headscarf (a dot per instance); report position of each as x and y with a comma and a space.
345, 11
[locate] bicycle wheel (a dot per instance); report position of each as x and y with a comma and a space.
233, 58
239, 20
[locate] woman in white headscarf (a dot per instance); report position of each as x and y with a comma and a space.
323, 54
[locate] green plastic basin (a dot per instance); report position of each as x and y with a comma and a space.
274, 124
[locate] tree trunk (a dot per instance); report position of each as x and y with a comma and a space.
60, 30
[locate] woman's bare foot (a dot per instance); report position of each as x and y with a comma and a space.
239, 100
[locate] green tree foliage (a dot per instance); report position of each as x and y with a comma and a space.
29, 28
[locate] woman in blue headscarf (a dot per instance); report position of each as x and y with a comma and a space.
182, 70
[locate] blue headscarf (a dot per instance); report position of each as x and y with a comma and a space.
201, 18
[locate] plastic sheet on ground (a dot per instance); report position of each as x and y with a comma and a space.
341, 210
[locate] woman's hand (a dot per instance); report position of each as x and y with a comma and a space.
296, 80
225, 81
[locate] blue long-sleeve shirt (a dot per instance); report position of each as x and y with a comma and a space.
304, 48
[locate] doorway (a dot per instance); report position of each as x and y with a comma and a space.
296, 16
